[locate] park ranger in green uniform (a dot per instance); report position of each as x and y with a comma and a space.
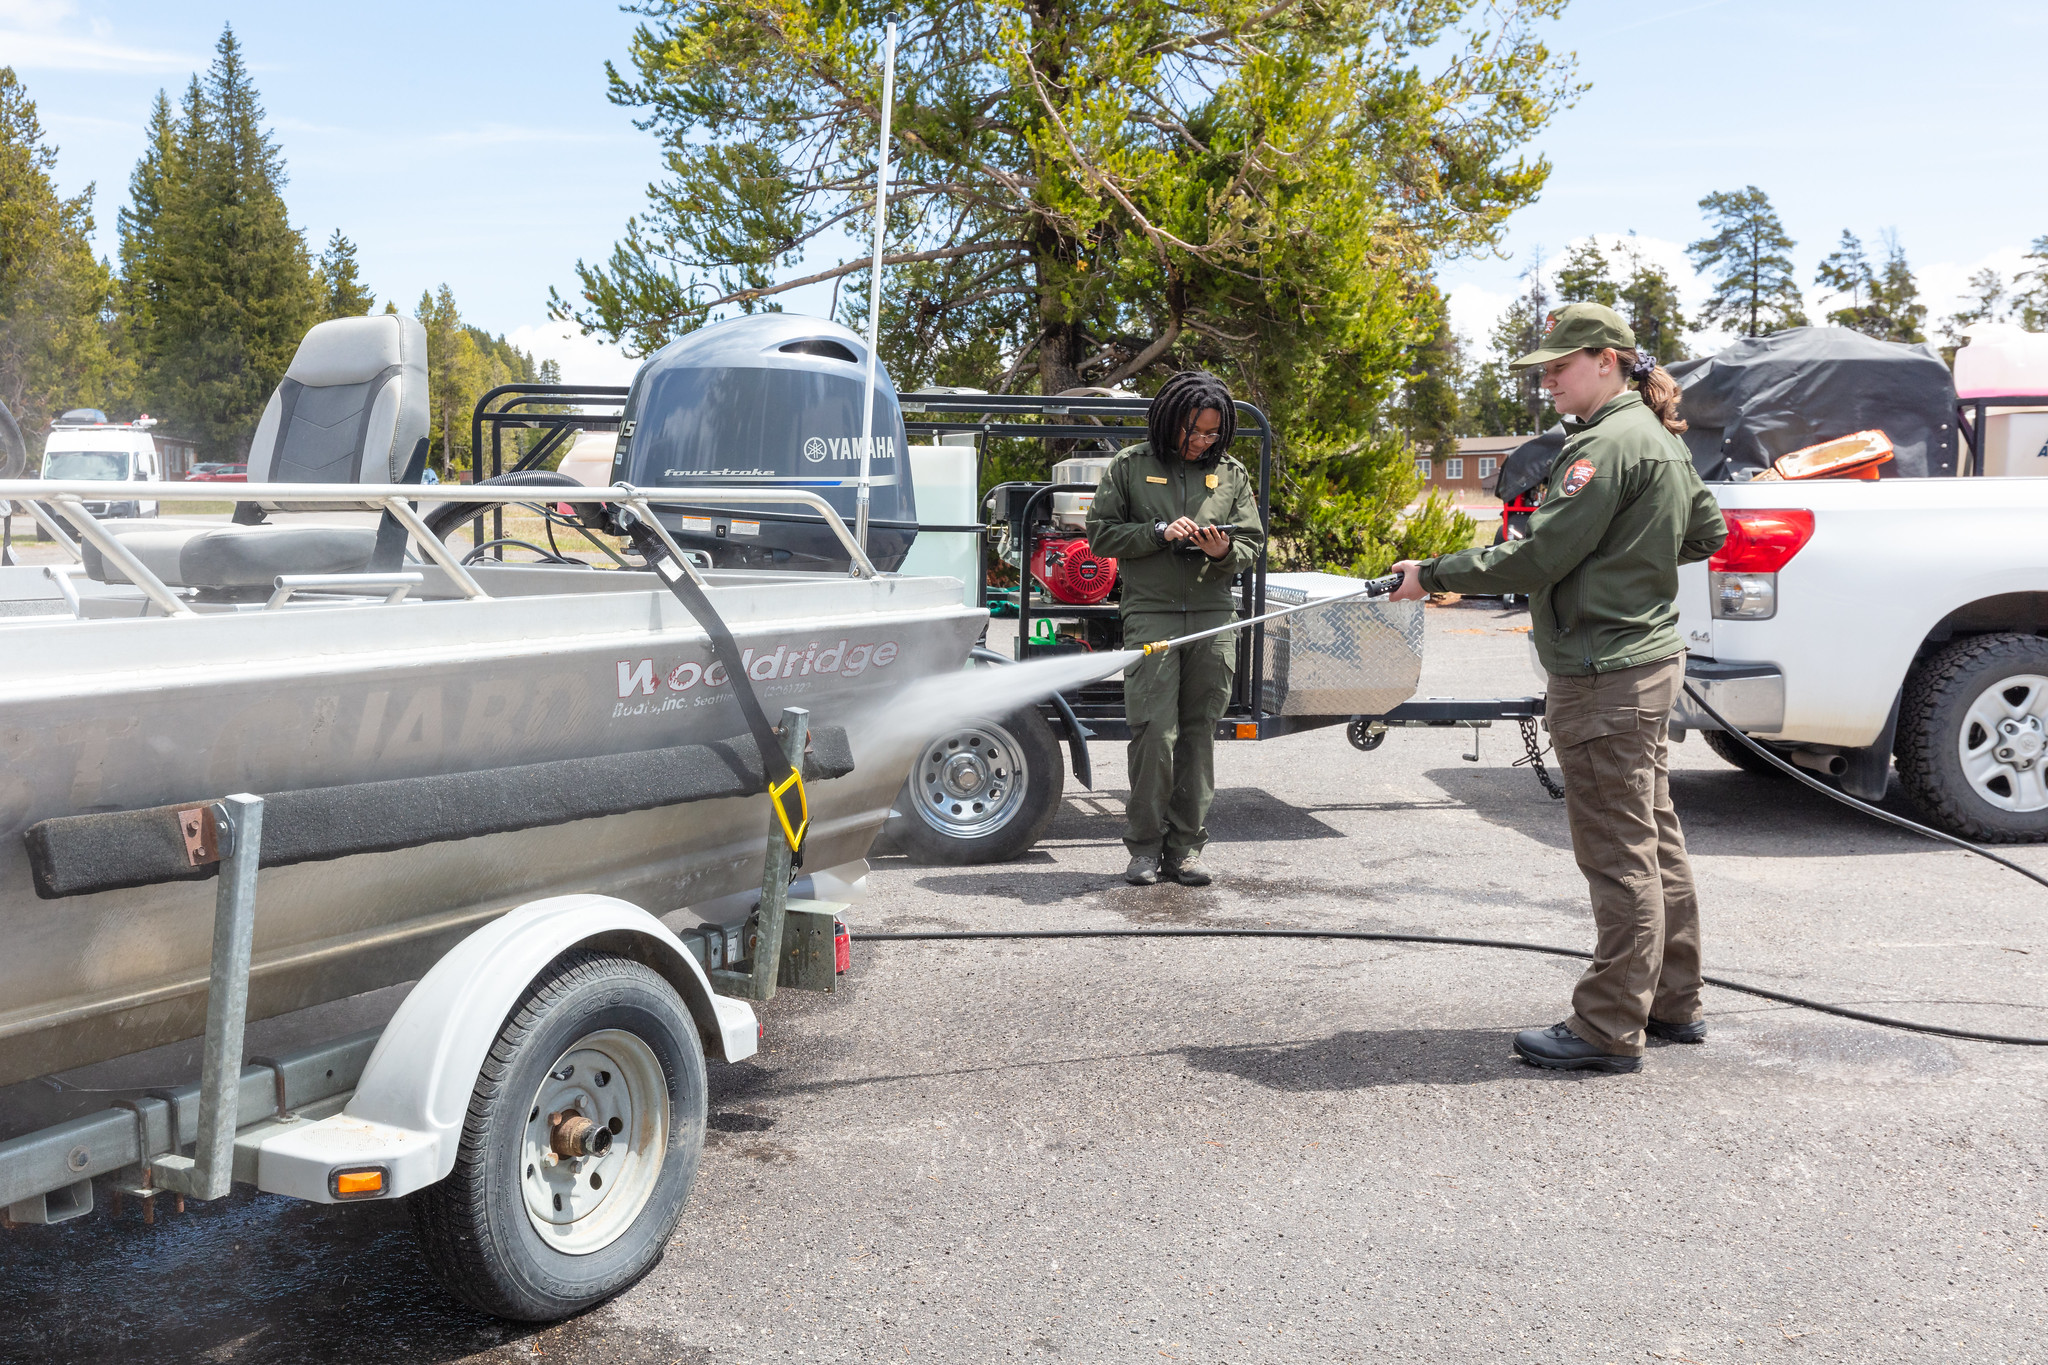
1181, 519
1621, 510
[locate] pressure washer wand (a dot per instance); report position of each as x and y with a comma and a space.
1374, 587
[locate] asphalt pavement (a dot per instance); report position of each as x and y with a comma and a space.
1239, 1150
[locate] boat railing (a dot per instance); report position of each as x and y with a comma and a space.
398, 501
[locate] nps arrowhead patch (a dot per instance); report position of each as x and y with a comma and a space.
1577, 477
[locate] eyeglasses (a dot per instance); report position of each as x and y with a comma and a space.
1193, 437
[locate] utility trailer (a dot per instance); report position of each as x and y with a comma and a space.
985, 793
287, 770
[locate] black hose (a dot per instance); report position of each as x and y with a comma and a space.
1780, 996
1825, 790
1373, 936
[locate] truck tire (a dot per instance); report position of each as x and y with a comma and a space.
600, 1055
981, 792
1972, 749
1741, 755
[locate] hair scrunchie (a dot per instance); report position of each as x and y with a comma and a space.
1645, 366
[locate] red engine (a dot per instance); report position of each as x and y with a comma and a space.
1072, 572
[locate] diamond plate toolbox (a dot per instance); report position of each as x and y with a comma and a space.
1357, 658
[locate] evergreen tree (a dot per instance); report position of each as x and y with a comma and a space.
230, 287
1749, 255
1896, 296
463, 364
341, 293
55, 298
1988, 299
1642, 293
2030, 289
1519, 331
141, 285
1584, 278
1883, 304
1096, 192
1428, 411
1847, 272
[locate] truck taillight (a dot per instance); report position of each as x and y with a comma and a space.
1761, 539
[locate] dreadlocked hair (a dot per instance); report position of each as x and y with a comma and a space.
1654, 382
1176, 405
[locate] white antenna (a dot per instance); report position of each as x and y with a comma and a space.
867, 407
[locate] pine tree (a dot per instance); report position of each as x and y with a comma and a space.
1896, 297
55, 298
1096, 192
1987, 292
341, 293
234, 290
463, 364
1583, 277
1428, 411
1881, 303
1754, 290
141, 285
1644, 295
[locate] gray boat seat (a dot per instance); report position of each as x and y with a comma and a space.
352, 408
238, 557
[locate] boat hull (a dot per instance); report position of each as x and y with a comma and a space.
113, 715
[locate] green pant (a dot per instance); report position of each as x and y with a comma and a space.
1173, 701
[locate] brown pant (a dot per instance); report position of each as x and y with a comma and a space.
1609, 733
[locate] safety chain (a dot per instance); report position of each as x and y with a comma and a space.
1535, 760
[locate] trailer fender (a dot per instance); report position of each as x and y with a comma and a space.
408, 1111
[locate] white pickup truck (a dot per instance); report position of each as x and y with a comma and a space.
1849, 624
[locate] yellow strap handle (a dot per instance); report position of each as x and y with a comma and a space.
776, 791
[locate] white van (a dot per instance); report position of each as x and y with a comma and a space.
83, 444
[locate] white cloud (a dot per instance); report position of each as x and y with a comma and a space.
584, 360
44, 35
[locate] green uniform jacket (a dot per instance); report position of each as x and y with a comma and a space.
1622, 509
1137, 492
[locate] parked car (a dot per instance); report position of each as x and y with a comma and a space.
1852, 624
218, 473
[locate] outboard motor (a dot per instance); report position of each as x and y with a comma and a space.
766, 399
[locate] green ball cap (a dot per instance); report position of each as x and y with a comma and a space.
1580, 327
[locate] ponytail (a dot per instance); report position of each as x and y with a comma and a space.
1655, 384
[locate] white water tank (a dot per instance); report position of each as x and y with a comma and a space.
2003, 361
945, 478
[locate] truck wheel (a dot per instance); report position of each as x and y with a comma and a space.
1972, 750
583, 1137
1741, 755
981, 793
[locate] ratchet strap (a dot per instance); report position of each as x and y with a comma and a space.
792, 812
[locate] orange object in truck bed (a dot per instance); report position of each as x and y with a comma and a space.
1855, 456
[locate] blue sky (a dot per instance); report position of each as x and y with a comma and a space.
473, 144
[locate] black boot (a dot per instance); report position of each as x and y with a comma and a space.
1559, 1049
1695, 1032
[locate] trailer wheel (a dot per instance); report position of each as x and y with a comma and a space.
1733, 750
982, 792
600, 1068
1972, 748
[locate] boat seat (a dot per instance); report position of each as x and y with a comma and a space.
352, 408
229, 558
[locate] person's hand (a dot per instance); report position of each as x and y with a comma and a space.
1411, 582
1213, 541
1180, 529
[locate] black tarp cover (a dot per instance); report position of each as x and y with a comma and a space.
1767, 396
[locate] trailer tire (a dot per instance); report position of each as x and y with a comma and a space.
1954, 702
490, 1229
1733, 750
1007, 778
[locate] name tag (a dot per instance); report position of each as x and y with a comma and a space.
1210, 481
1155, 478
